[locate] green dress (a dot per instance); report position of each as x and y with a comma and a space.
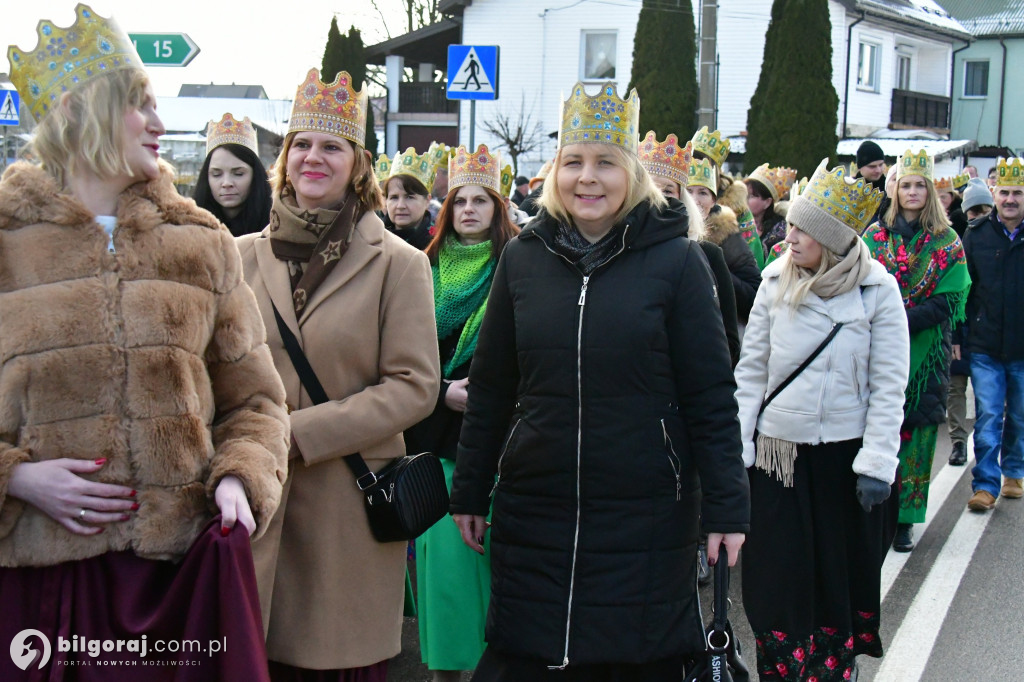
927, 265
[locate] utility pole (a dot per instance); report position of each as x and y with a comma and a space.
707, 105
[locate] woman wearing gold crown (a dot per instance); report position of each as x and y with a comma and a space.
600, 422
765, 188
822, 451
356, 299
407, 196
916, 244
453, 583
138, 397
722, 228
233, 184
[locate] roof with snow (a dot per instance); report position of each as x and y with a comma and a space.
191, 114
988, 17
925, 14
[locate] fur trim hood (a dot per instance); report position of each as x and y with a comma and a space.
721, 223
734, 197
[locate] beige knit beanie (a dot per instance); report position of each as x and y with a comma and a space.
834, 209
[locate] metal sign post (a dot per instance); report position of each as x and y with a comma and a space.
472, 75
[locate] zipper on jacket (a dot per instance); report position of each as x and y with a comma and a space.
579, 436
673, 460
504, 451
824, 386
856, 380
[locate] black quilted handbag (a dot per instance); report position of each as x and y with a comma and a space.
403, 499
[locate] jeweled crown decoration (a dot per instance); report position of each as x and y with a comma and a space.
604, 118
1010, 172
65, 58
711, 145
960, 181
944, 185
419, 166
703, 173
474, 168
382, 169
852, 201
915, 164
666, 159
439, 153
334, 108
777, 180
228, 130
506, 181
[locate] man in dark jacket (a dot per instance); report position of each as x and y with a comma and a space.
995, 258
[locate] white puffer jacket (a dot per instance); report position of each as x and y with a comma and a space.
853, 389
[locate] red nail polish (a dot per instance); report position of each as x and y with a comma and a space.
125, 517
135, 506
101, 530
133, 493
224, 530
100, 462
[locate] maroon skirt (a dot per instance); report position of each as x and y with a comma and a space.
117, 617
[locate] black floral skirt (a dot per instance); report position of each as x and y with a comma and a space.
812, 567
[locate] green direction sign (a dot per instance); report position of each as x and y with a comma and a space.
164, 49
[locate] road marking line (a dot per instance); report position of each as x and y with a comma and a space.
938, 491
907, 656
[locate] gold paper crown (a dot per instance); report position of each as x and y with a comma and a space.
711, 145
777, 180
1010, 172
382, 169
334, 108
67, 57
703, 173
477, 168
439, 153
604, 118
506, 181
419, 166
230, 131
852, 201
944, 185
666, 159
915, 164
960, 181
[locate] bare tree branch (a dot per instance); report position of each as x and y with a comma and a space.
383, 21
518, 133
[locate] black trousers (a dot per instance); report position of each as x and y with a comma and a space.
495, 666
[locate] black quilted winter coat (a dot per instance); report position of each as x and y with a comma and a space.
599, 409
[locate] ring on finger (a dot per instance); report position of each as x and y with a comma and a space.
81, 514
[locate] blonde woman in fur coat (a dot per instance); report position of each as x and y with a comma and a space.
137, 395
360, 302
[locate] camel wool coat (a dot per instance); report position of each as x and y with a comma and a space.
151, 355
332, 596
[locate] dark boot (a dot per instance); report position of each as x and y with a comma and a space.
703, 569
904, 540
959, 455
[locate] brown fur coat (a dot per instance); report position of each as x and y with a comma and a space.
153, 357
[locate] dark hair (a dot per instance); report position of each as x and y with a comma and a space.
758, 189
255, 213
410, 184
502, 229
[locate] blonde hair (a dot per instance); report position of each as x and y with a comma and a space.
797, 281
933, 215
639, 186
363, 183
698, 231
85, 133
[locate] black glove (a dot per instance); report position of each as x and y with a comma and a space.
871, 491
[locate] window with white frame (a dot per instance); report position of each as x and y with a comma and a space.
976, 78
868, 63
903, 71
597, 55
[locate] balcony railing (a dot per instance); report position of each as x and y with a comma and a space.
919, 110
425, 98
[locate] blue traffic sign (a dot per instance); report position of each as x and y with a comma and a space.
472, 72
9, 103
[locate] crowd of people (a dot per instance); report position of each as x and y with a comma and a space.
630, 370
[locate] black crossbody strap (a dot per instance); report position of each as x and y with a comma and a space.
355, 462
796, 372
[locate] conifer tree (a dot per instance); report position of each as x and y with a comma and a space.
346, 53
664, 68
794, 111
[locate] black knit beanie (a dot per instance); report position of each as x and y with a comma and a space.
868, 152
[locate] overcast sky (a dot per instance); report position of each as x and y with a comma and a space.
238, 43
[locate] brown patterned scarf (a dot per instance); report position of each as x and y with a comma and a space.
312, 242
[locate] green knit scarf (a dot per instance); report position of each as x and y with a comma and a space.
462, 281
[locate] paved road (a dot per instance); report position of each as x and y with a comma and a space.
953, 609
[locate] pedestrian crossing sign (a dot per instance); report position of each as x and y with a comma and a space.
472, 72
8, 106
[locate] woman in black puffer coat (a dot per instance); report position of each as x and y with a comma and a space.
601, 424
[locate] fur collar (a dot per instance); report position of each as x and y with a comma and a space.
29, 195
734, 197
721, 223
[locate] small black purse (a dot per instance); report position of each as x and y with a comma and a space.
403, 499
722, 660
